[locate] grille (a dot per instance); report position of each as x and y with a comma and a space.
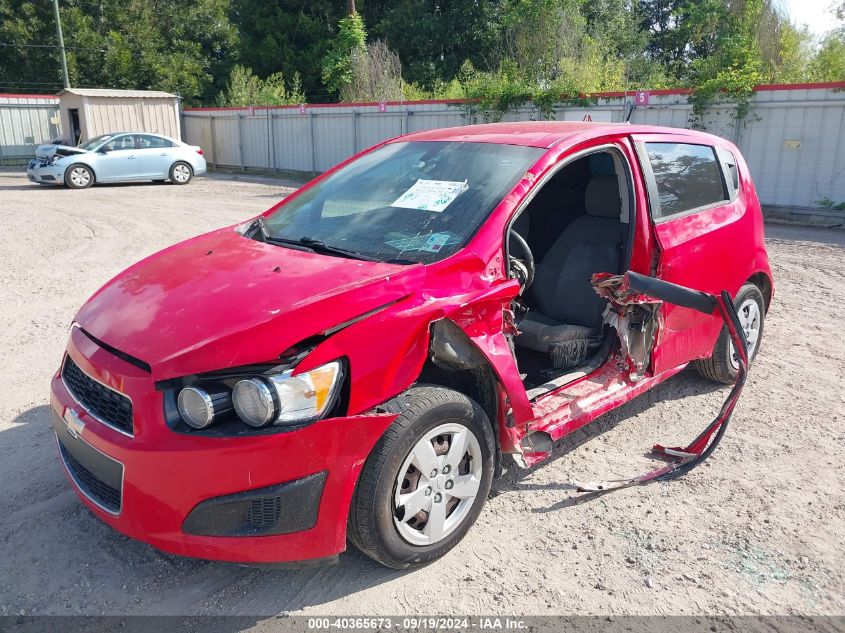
110, 407
94, 488
263, 514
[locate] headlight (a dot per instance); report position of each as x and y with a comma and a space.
254, 402
199, 407
284, 398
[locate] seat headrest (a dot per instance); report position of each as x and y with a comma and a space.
601, 198
602, 165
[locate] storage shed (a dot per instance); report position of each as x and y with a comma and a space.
26, 121
89, 112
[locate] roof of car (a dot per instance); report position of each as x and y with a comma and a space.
532, 133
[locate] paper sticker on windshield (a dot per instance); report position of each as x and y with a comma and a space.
430, 243
430, 195
435, 242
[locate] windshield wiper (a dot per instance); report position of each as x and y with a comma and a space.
318, 246
321, 246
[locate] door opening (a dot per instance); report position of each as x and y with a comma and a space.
578, 224
75, 130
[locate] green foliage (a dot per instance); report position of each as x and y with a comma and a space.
156, 44
829, 62
511, 51
827, 203
288, 36
337, 64
493, 94
733, 69
434, 37
245, 89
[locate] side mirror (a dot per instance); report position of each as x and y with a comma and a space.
103, 150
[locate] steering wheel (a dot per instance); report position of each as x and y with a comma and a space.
522, 266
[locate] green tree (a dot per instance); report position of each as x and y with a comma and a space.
829, 62
245, 89
434, 37
351, 38
179, 47
287, 36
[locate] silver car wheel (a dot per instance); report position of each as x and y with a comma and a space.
750, 318
437, 484
181, 173
80, 177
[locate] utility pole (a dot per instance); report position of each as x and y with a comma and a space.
62, 43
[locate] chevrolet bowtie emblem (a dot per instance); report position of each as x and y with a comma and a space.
74, 424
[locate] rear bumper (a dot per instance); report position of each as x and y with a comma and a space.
252, 499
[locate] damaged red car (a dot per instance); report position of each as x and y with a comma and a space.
356, 363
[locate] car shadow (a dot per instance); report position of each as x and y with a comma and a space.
684, 384
34, 186
53, 546
56, 547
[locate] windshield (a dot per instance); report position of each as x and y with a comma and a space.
92, 143
414, 202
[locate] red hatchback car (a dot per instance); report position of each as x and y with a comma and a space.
355, 362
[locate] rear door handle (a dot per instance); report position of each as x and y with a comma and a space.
131, 157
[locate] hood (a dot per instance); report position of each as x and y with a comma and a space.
48, 151
223, 300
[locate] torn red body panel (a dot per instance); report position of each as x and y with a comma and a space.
235, 303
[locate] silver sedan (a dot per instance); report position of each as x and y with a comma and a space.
119, 157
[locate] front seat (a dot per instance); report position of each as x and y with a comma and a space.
568, 324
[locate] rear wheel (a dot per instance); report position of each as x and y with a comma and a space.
79, 176
181, 173
426, 481
723, 364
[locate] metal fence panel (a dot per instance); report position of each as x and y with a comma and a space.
292, 140
792, 139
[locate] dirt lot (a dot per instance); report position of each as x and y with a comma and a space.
760, 529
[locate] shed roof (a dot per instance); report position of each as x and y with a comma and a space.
106, 92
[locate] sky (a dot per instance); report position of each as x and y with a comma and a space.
816, 14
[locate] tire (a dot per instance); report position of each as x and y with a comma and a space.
181, 173
79, 176
376, 526
721, 366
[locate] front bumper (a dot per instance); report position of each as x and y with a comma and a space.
51, 174
166, 476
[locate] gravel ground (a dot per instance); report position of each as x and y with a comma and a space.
759, 529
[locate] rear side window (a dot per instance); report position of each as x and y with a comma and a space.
687, 176
147, 141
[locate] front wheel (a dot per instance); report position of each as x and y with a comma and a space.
723, 364
181, 173
426, 481
79, 176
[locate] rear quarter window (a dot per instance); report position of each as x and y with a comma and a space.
688, 177
729, 164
